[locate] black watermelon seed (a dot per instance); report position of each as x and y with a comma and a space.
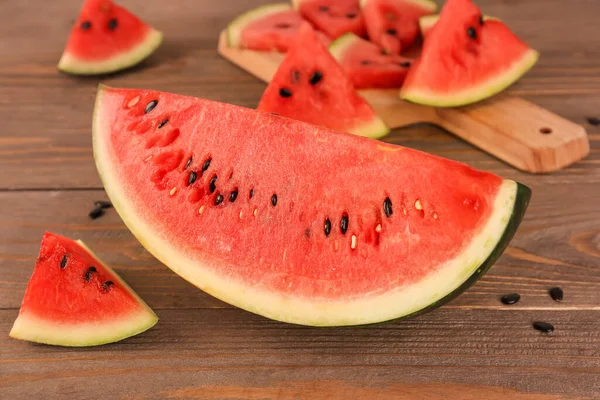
88, 274
187, 165
481, 21
594, 121
511, 298
107, 285
556, 293
391, 32
103, 204
233, 196
163, 123
344, 224
365, 62
63, 262
283, 26
351, 15
192, 178
543, 327
96, 213
387, 207
213, 186
327, 227
251, 194
150, 106
218, 199
274, 200
112, 24
323, 8
206, 165
316, 77
472, 33
285, 92
405, 64
85, 25
295, 76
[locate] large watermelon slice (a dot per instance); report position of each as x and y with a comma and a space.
294, 221
107, 38
466, 59
333, 17
310, 86
366, 65
394, 24
73, 299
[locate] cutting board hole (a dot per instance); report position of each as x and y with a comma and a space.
546, 131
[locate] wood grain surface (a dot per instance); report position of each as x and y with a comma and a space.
473, 348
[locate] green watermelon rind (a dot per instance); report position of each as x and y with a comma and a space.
373, 129
236, 26
474, 94
338, 47
425, 4
39, 330
446, 283
70, 64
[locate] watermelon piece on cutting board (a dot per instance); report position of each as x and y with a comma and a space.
294, 221
107, 38
466, 59
310, 86
366, 65
333, 17
73, 299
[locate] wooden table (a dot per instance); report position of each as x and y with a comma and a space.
473, 348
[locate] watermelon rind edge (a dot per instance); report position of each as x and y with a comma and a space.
447, 282
40, 330
238, 24
72, 65
425, 4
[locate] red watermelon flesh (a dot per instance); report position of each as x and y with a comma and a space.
394, 24
267, 28
73, 299
333, 17
294, 221
466, 58
106, 38
310, 86
366, 65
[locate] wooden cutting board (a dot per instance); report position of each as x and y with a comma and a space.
516, 131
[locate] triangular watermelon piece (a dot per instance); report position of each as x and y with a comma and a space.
466, 59
367, 66
107, 38
394, 24
73, 299
333, 17
310, 86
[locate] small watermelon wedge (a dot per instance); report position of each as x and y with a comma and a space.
310, 86
367, 66
427, 22
466, 59
107, 38
73, 299
333, 17
394, 24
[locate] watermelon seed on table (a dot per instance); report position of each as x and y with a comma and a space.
327, 227
103, 204
150, 106
88, 274
112, 24
472, 33
511, 298
344, 223
556, 294
543, 327
285, 92
63, 262
274, 200
96, 213
163, 123
594, 121
213, 186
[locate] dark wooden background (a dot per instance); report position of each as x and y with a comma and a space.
473, 348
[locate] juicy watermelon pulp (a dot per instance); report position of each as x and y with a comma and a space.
466, 58
294, 221
394, 24
73, 299
333, 17
107, 38
310, 86
367, 66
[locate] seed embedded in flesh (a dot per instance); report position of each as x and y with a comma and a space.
472, 33
85, 25
418, 205
344, 224
63, 262
285, 92
543, 327
107, 285
112, 24
274, 200
378, 228
206, 165
88, 274
481, 21
150, 106
192, 178
102, 204
213, 186
187, 165
295, 76
251, 194
323, 8
556, 293
391, 32
173, 191
404, 64
511, 298
316, 77
365, 62
283, 25
327, 227
233, 195
218, 199
163, 123
96, 213
353, 242
387, 207
351, 15
201, 210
